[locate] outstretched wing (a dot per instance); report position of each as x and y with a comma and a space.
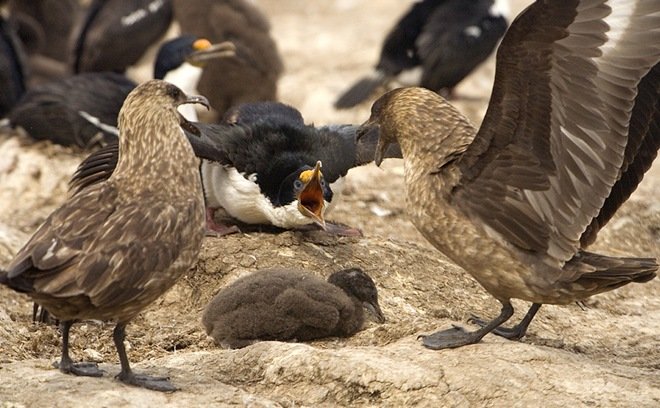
641, 150
553, 141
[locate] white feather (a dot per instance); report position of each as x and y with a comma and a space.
242, 199
500, 8
186, 77
96, 122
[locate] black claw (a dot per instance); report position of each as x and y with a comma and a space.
152, 383
83, 369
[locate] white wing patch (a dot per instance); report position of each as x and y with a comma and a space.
472, 31
96, 122
500, 8
619, 24
50, 252
140, 14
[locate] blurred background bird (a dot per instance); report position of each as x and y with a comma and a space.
435, 45
82, 109
251, 77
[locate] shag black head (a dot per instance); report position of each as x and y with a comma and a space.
307, 186
191, 49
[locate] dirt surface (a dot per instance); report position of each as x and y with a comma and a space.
604, 353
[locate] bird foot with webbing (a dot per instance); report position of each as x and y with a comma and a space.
458, 337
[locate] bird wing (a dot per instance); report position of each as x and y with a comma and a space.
96, 167
553, 140
337, 149
116, 33
100, 165
641, 150
95, 246
210, 141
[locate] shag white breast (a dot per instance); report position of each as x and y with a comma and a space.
241, 197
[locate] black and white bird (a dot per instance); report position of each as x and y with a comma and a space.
112, 249
435, 45
12, 66
285, 304
82, 109
254, 74
572, 126
264, 165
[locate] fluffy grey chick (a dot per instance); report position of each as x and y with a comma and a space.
285, 304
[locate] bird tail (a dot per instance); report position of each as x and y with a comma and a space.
604, 273
361, 90
4, 278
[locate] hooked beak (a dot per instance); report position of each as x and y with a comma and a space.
196, 99
371, 130
205, 51
310, 199
374, 309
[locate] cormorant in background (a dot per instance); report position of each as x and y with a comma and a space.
444, 39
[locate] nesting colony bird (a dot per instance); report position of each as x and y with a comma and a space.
82, 109
45, 26
114, 247
181, 61
262, 166
571, 128
115, 34
443, 40
253, 74
12, 66
284, 304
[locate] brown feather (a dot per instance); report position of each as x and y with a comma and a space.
566, 135
115, 245
641, 150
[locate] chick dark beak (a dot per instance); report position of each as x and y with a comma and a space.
196, 99
374, 309
209, 51
310, 199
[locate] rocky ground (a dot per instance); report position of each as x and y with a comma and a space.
604, 353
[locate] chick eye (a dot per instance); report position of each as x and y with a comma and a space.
297, 184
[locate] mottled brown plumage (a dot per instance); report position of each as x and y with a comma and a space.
115, 246
283, 304
570, 130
